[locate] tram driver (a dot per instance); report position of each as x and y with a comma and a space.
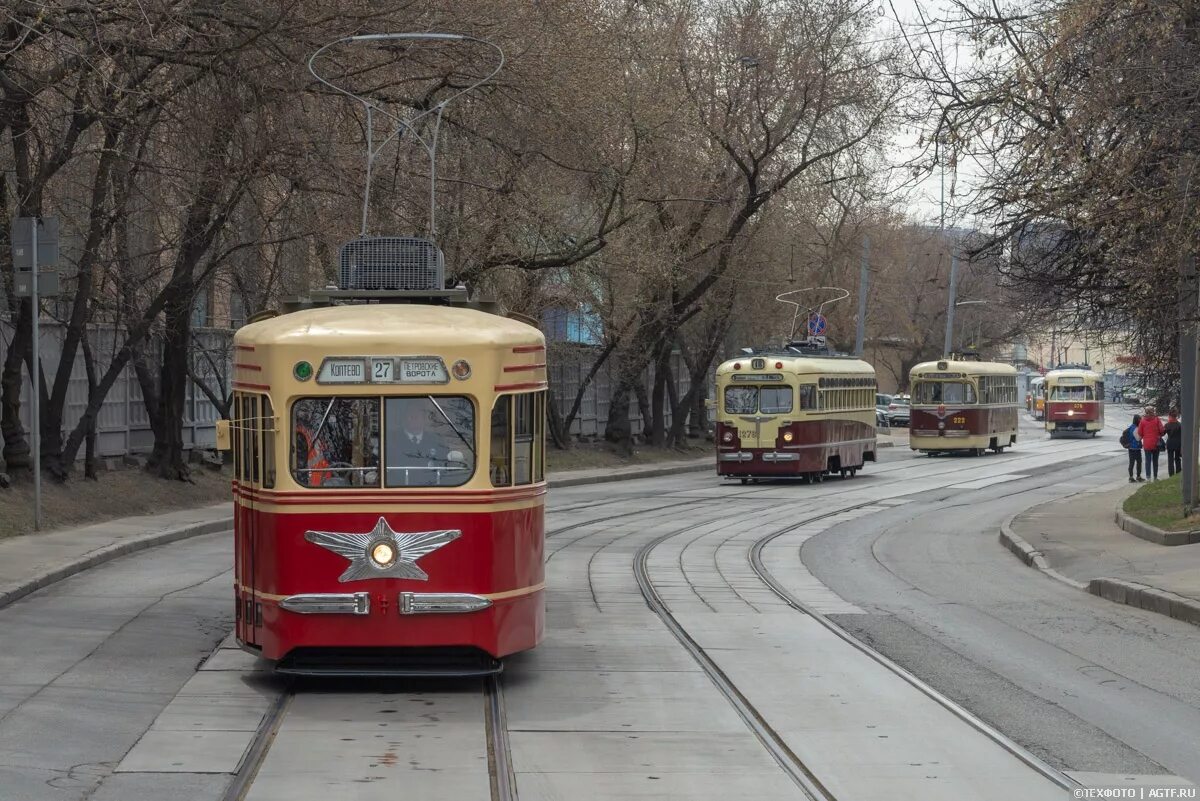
417, 449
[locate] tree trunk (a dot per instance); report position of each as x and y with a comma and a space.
658, 421
89, 459
167, 459
643, 402
617, 429
16, 447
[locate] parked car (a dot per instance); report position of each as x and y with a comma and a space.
881, 409
897, 411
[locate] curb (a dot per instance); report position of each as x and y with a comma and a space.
1032, 556
20, 589
17, 590
1144, 596
653, 472
1151, 533
1121, 591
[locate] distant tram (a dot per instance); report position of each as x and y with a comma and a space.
1037, 398
389, 487
794, 413
959, 404
1074, 400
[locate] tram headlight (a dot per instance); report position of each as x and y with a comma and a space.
1070, 412
727, 436
942, 424
788, 436
383, 554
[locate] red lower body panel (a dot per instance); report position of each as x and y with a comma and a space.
498, 556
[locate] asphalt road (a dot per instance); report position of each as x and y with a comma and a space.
905, 557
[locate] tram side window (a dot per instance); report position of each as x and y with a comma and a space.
235, 434
268, 439
808, 396
335, 442
501, 450
255, 427
539, 436
523, 439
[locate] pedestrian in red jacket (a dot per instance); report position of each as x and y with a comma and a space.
1151, 431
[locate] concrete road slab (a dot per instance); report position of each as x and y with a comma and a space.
374, 712
170, 751
652, 786
213, 713
561, 700
638, 752
235, 659
162, 787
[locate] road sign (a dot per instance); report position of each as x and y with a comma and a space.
817, 325
48, 284
23, 239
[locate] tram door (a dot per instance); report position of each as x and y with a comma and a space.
255, 439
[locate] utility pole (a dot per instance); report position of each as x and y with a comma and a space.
1189, 307
950, 304
860, 337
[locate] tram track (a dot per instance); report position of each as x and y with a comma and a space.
256, 753
500, 768
803, 775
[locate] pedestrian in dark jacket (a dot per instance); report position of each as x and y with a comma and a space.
1135, 448
1151, 431
1174, 430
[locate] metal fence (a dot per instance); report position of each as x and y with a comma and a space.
123, 425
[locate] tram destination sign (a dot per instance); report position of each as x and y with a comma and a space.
757, 377
383, 370
941, 375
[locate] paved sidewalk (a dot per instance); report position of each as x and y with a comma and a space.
1076, 539
33, 561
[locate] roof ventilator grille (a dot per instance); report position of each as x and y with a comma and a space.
391, 263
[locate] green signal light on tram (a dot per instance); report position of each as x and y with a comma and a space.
303, 371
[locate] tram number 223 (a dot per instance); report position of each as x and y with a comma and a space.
959, 421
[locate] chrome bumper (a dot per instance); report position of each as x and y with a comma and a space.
417, 603
328, 603
781, 457
741, 456
359, 603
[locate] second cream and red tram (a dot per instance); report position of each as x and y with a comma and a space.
389, 489
963, 405
786, 415
1074, 401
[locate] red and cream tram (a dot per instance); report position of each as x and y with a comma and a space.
1074, 400
389, 488
794, 414
959, 404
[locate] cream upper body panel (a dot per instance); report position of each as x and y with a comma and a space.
967, 369
796, 366
1088, 376
503, 354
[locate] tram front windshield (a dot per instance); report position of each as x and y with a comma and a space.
1072, 393
748, 400
425, 441
938, 392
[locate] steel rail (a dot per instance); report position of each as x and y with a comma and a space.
264, 736
787, 759
958, 710
500, 767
